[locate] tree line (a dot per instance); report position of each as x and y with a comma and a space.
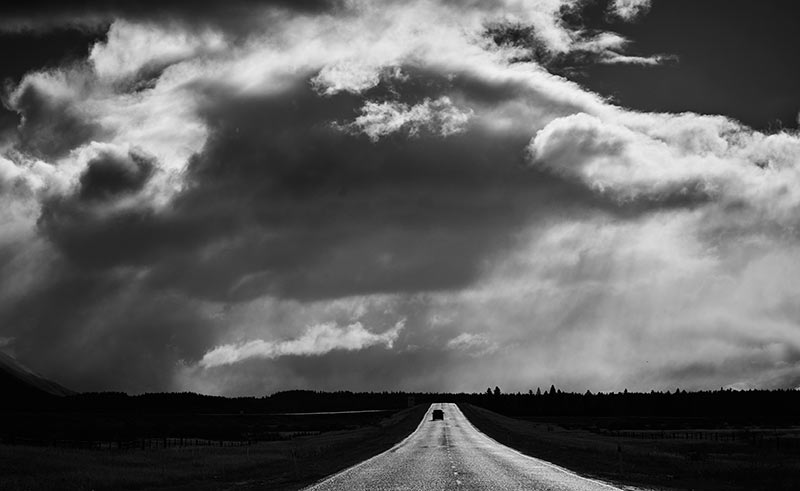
780, 405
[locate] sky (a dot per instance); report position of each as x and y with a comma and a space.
434, 195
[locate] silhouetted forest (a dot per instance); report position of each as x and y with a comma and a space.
137, 420
752, 405
767, 406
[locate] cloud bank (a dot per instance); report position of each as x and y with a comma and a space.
181, 205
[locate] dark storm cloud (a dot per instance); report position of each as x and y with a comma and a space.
236, 14
293, 207
289, 195
341, 215
123, 238
100, 330
50, 128
110, 175
282, 203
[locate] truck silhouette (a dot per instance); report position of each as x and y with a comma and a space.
438, 414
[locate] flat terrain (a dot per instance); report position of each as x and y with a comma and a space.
43, 428
285, 464
452, 454
678, 457
240, 450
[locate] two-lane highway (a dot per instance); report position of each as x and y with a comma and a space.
453, 455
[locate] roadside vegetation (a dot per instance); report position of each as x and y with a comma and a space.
284, 464
655, 452
711, 440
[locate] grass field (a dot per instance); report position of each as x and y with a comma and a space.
675, 459
288, 464
44, 427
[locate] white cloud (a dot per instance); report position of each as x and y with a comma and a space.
630, 9
602, 42
604, 304
440, 116
24, 183
474, 344
317, 340
608, 156
610, 49
663, 156
613, 58
9, 172
350, 76
130, 48
350, 53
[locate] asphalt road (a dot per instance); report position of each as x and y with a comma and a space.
453, 455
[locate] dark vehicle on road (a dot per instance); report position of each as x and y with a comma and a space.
438, 414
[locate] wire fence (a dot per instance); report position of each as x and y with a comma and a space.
150, 443
781, 439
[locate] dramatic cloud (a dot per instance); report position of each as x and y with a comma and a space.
244, 199
317, 340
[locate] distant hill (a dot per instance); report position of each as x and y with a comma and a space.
20, 383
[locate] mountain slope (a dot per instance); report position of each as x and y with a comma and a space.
18, 381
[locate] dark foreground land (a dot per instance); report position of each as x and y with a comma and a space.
190, 463
711, 440
655, 452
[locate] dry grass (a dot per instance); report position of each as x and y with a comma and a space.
663, 464
267, 465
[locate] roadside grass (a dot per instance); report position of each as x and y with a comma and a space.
76, 429
289, 464
651, 463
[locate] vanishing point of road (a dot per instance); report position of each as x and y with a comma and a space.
453, 455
